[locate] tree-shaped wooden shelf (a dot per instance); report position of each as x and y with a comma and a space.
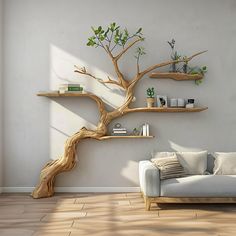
107, 39
175, 76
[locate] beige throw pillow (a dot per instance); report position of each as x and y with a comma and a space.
225, 163
194, 163
169, 167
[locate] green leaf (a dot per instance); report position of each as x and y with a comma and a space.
105, 35
139, 30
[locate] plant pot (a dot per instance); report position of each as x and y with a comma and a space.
150, 102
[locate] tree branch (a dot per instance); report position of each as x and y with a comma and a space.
127, 48
122, 82
83, 71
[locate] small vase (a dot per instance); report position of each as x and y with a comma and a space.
150, 102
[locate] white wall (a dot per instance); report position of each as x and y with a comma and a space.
1, 90
44, 39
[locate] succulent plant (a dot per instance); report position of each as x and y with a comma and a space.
150, 92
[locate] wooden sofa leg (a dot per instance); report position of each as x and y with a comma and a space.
148, 203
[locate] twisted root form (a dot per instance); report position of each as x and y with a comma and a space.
45, 188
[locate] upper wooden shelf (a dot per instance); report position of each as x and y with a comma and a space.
125, 137
175, 76
56, 94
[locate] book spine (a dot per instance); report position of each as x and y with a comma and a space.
144, 130
117, 129
147, 132
119, 132
74, 89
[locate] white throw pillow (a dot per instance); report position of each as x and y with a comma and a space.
225, 163
194, 163
162, 154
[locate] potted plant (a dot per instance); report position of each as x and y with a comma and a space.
150, 97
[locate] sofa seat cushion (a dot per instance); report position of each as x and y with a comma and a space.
200, 186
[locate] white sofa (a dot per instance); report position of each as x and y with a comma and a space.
190, 189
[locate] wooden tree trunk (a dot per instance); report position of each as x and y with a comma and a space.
45, 187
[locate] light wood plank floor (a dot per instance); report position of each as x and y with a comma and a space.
110, 214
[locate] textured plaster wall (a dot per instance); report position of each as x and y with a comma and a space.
1, 97
44, 39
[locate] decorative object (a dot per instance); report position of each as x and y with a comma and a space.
146, 131
194, 163
225, 163
162, 101
182, 73
136, 132
174, 56
107, 39
150, 97
119, 130
181, 102
169, 167
190, 103
173, 102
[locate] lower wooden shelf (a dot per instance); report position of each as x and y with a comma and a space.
128, 136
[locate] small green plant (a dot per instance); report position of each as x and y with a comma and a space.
185, 64
150, 92
198, 70
174, 56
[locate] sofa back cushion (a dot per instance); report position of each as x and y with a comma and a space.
225, 163
169, 167
162, 154
194, 163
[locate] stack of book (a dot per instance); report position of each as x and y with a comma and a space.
119, 131
70, 88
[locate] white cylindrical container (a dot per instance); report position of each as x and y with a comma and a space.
181, 102
173, 102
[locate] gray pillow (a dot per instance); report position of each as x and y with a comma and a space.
225, 163
169, 167
194, 163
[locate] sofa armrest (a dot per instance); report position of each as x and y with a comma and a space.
149, 179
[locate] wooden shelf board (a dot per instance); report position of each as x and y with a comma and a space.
50, 94
175, 76
125, 137
55, 94
165, 109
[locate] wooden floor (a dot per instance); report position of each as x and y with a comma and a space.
110, 214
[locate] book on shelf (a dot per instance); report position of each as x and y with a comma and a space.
119, 132
70, 87
73, 92
119, 129
145, 130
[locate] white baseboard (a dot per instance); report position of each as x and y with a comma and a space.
75, 189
